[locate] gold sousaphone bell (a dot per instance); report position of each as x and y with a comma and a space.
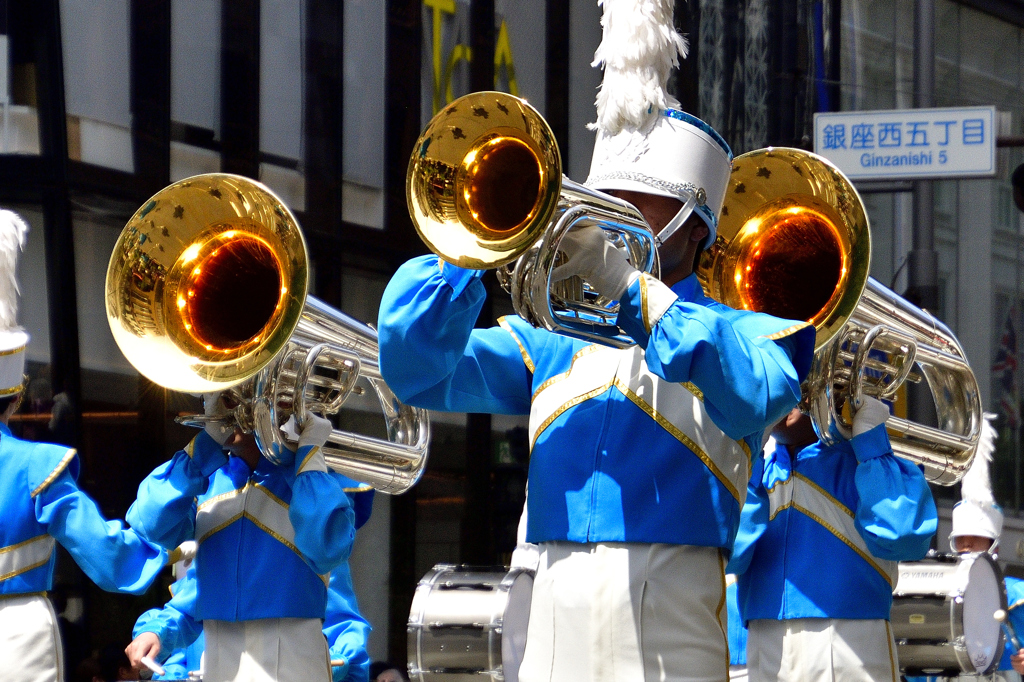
485, 190
206, 291
794, 241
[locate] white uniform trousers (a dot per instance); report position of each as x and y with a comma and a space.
30, 647
625, 612
821, 650
266, 650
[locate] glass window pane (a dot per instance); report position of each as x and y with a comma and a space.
281, 99
97, 82
195, 87
363, 133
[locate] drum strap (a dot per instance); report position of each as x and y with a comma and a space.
807, 497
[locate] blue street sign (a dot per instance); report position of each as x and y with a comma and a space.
909, 143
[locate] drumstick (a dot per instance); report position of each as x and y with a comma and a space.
152, 665
1008, 628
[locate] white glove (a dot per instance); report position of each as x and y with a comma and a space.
213, 406
872, 412
595, 259
316, 431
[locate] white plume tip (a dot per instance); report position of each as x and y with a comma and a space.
639, 48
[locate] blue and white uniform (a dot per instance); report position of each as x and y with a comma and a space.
41, 505
1015, 611
267, 540
737, 633
816, 555
182, 642
643, 449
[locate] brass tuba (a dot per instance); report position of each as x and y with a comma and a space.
485, 190
794, 241
206, 291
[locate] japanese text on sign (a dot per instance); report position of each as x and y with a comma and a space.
908, 143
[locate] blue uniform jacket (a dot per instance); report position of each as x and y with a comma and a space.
737, 629
286, 526
822, 530
40, 503
647, 444
1015, 609
181, 636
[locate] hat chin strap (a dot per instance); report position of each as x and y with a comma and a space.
673, 225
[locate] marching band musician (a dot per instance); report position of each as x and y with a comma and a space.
173, 636
40, 504
977, 523
822, 530
268, 537
640, 457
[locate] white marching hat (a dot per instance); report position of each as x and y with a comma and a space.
644, 142
13, 338
977, 512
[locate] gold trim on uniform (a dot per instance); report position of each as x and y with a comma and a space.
644, 315
515, 337
596, 369
61, 465
692, 388
309, 455
893, 667
25, 556
785, 332
565, 406
681, 437
817, 504
559, 377
721, 605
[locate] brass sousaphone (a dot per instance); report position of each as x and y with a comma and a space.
206, 291
485, 190
794, 241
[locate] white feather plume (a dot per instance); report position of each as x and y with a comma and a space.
976, 486
639, 49
12, 240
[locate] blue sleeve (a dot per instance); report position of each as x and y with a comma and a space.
348, 644
431, 356
753, 521
362, 503
165, 510
748, 383
896, 513
345, 629
175, 623
175, 667
175, 629
322, 515
114, 557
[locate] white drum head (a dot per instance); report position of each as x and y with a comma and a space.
981, 601
513, 631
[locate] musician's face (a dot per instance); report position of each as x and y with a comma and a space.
677, 255
971, 543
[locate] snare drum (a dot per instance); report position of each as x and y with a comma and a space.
942, 615
469, 624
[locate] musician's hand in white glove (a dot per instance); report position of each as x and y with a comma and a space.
872, 412
213, 406
595, 259
312, 439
